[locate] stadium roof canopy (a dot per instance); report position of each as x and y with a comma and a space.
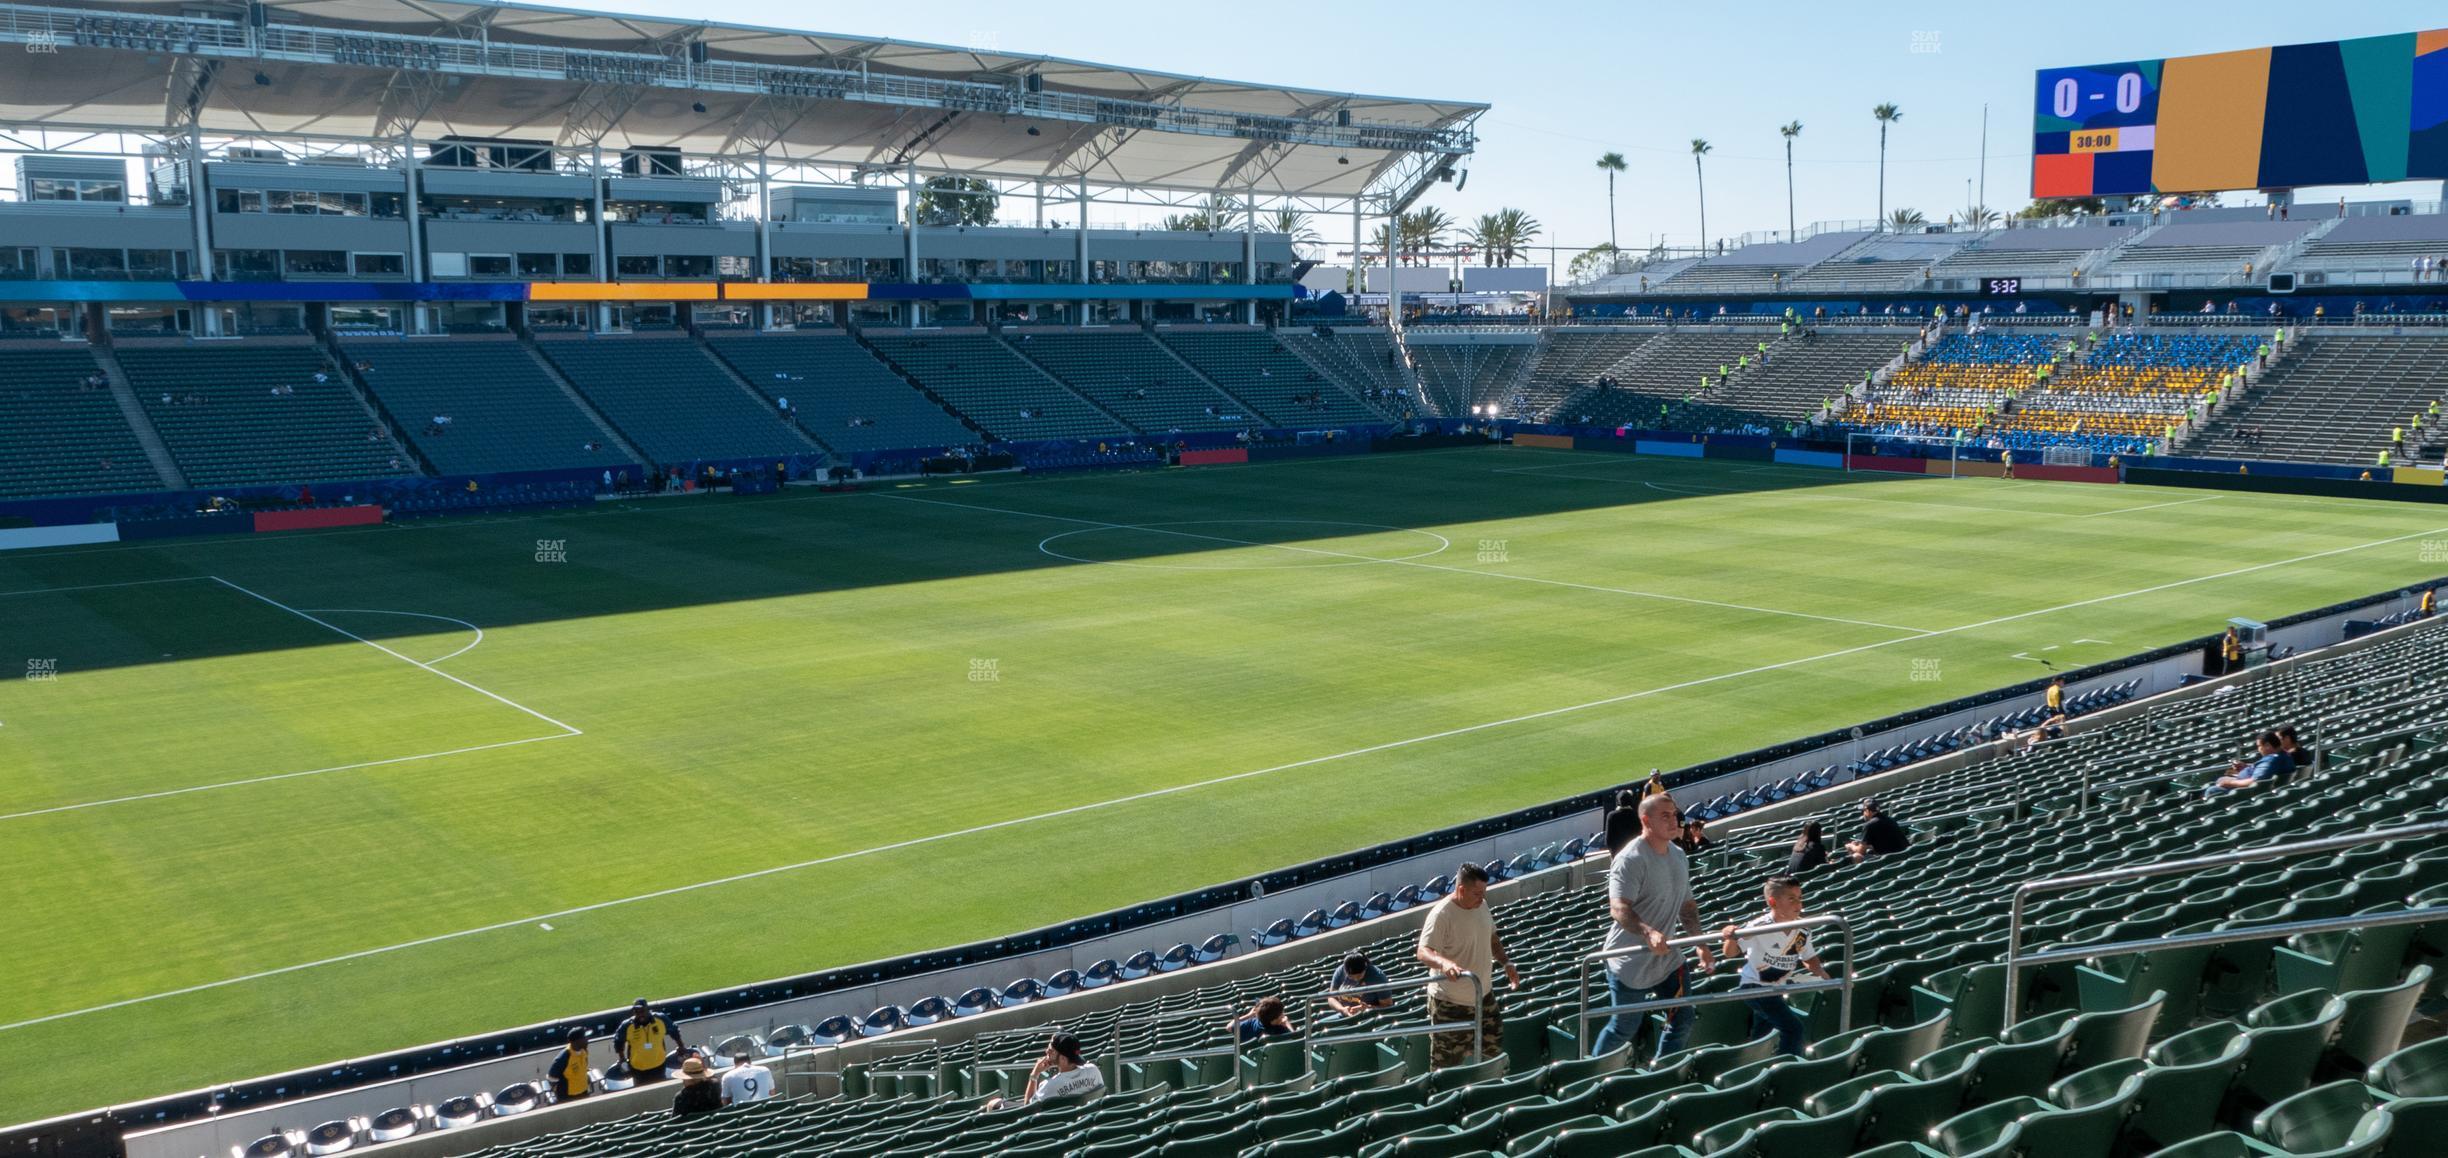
376, 69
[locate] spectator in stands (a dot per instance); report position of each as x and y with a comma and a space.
1460, 938
1648, 892
1623, 820
1694, 840
647, 1041
1809, 850
2268, 763
699, 1094
1772, 959
1880, 835
746, 1081
1356, 973
1264, 1020
1063, 1071
569, 1074
2299, 758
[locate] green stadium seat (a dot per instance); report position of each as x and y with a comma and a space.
2335, 1120
2375, 1021
2289, 1036
2416, 1071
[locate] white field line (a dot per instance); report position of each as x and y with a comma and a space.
328, 626
1154, 529
1077, 809
106, 586
2152, 506
85, 804
412, 615
266, 779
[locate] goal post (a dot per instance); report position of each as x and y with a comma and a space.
1939, 455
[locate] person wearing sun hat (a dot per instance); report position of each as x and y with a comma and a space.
699, 1094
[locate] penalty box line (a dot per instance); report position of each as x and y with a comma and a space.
1095, 806
566, 731
327, 625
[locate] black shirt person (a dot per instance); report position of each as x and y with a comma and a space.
1880, 835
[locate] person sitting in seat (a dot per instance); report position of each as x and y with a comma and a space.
1880, 836
1809, 850
2268, 763
2299, 757
1266, 1019
698, 1092
1061, 1072
1357, 973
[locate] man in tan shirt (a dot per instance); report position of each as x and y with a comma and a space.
1460, 938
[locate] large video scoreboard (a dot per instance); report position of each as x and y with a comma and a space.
2343, 112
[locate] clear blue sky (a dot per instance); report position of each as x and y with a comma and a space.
1572, 79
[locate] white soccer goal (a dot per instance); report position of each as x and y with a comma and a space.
1936, 450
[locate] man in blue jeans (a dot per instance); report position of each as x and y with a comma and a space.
1649, 891
1772, 959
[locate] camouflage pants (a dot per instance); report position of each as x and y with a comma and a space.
1446, 1049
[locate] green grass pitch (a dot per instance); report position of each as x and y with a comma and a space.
278, 803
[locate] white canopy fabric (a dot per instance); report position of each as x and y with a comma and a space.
140, 88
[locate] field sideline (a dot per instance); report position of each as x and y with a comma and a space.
291, 799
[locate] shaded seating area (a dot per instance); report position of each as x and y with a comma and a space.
842, 396
253, 413
506, 413
59, 435
670, 399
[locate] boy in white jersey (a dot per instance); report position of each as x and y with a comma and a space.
746, 1081
1772, 959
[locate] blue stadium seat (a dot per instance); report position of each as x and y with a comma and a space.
929, 1010
1378, 905
1140, 965
1101, 974
1023, 991
1174, 958
1344, 914
1063, 983
1272, 935
835, 1030
1405, 897
884, 1020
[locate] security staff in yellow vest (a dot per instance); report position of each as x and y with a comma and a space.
640, 1041
2231, 652
2430, 602
570, 1078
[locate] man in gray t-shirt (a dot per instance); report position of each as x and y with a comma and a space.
1649, 893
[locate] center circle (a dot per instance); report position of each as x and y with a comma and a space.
1223, 533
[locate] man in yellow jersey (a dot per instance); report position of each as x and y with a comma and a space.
2430, 602
2056, 696
2231, 652
641, 1042
570, 1078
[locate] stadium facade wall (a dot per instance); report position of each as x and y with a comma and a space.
1819, 458
1668, 449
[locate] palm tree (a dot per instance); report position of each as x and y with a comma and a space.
1612, 163
1699, 149
1500, 237
1294, 224
1905, 219
1422, 229
1789, 130
1887, 114
1979, 216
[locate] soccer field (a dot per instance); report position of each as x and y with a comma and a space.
271, 801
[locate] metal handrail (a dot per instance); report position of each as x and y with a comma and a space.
2013, 805
1418, 985
2023, 892
1844, 1007
1478, 1026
